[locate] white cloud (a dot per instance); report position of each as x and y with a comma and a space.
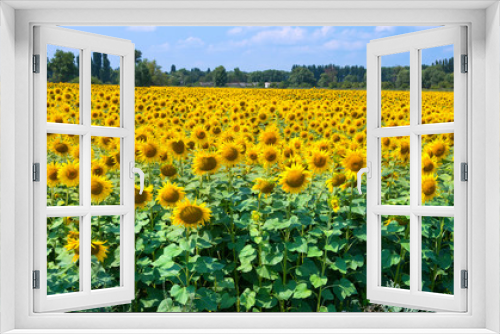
336, 44
323, 32
161, 47
284, 35
142, 28
190, 42
385, 28
235, 31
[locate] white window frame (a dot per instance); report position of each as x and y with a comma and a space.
483, 123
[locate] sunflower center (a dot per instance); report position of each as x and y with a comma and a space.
216, 130
168, 170
429, 187
270, 156
295, 179
428, 166
110, 161
201, 134
253, 156
140, 198
98, 171
170, 195
267, 188
405, 148
191, 215
230, 154
208, 163
178, 146
96, 188
319, 161
149, 150
96, 248
355, 163
141, 138
61, 148
72, 174
270, 139
53, 175
438, 149
338, 179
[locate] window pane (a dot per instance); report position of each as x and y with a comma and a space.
437, 254
395, 259
437, 170
105, 89
105, 179
63, 250
105, 251
63, 88
437, 84
395, 170
395, 99
63, 170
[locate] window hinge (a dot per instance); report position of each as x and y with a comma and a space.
36, 172
465, 279
36, 63
465, 63
36, 279
464, 171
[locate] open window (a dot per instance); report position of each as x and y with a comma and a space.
421, 229
65, 133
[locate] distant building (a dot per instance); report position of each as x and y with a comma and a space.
267, 85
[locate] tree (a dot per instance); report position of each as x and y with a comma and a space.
138, 56
158, 77
220, 76
62, 67
142, 75
106, 69
301, 75
96, 64
403, 79
172, 69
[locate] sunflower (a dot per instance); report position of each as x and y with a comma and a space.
141, 200
205, 163
190, 214
270, 136
60, 146
100, 188
438, 148
110, 162
429, 187
263, 186
269, 156
252, 155
178, 147
353, 162
52, 174
403, 149
318, 161
99, 250
149, 151
168, 170
294, 179
98, 168
73, 244
335, 204
230, 154
429, 164
170, 194
199, 135
336, 181
69, 174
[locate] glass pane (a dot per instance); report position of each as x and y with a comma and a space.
105, 179
63, 170
395, 170
105, 250
437, 254
437, 170
63, 250
395, 259
437, 84
395, 99
63, 88
105, 70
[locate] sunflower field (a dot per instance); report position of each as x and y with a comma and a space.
250, 202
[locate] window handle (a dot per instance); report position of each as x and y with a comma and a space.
133, 171
368, 171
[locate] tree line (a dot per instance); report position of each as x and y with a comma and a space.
64, 67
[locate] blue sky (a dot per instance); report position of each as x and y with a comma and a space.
258, 47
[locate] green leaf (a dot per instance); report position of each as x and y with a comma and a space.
206, 300
227, 301
182, 294
301, 291
172, 250
344, 288
299, 245
284, 292
339, 265
247, 299
389, 259
314, 251
318, 281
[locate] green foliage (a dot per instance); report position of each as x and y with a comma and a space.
220, 76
